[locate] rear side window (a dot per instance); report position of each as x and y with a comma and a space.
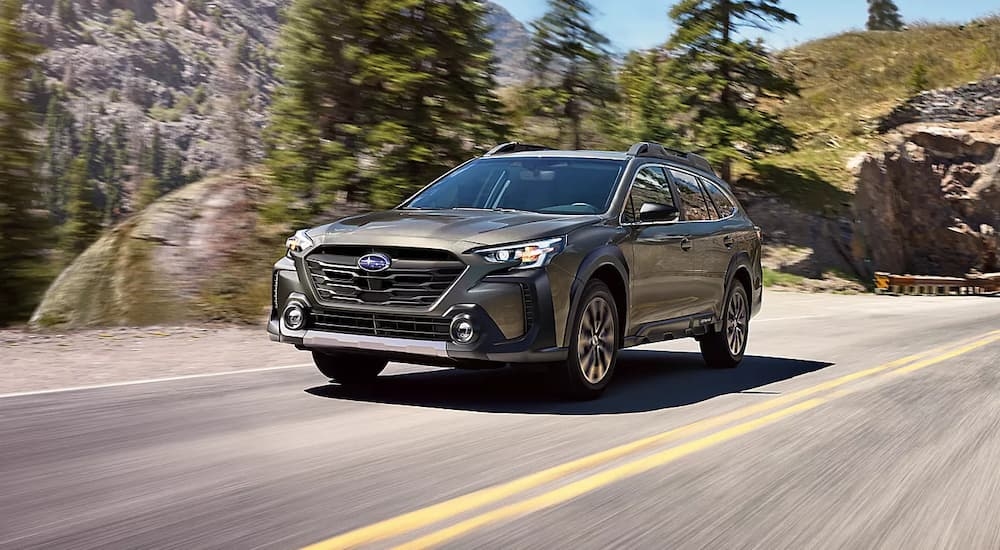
722, 201
650, 185
695, 204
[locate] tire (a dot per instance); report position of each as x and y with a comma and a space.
349, 368
593, 355
724, 349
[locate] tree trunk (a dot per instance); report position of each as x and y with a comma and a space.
574, 115
726, 171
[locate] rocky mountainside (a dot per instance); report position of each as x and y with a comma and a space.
191, 68
929, 202
511, 42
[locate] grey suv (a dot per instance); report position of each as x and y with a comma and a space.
528, 255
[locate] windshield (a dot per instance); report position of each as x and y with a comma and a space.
544, 185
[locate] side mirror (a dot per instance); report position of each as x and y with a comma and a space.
656, 212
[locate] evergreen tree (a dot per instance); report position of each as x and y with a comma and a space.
571, 62
377, 113
720, 78
91, 151
152, 156
647, 99
61, 147
239, 132
64, 12
883, 15
83, 216
113, 164
173, 171
22, 230
147, 191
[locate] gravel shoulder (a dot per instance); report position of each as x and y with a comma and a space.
34, 361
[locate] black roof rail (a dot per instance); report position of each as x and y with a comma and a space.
655, 150
514, 147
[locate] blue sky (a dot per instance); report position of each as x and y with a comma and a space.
634, 24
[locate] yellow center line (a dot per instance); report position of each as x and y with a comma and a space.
661, 458
596, 481
435, 513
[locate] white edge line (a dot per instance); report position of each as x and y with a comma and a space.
244, 371
154, 380
795, 318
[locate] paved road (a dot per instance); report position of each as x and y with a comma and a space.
856, 422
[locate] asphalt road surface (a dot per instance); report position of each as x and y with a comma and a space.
855, 422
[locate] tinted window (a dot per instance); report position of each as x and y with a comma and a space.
650, 186
546, 185
722, 201
695, 205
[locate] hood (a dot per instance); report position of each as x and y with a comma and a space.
448, 229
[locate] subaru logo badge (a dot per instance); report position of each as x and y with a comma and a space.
374, 262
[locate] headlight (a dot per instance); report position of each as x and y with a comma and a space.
525, 255
299, 242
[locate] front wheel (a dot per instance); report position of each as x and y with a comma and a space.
348, 368
724, 349
593, 349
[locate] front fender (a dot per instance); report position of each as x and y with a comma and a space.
606, 256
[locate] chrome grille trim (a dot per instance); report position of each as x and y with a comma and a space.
336, 278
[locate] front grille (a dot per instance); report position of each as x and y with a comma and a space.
416, 278
529, 307
377, 324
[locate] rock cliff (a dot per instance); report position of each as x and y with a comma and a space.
928, 202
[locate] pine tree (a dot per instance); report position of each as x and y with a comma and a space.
376, 113
64, 12
147, 191
173, 171
22, 229
91, 151
240, 134
112, 178
720, 78
647, 99
571, 62
883, 15
83, 216
152, 160
61, 146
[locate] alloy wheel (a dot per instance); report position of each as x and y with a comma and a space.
737, 321
597, 340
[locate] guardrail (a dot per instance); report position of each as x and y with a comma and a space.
920, 285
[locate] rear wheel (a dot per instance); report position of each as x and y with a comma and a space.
348, 368
593, 349
724, 349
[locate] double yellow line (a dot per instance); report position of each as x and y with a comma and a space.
786, 405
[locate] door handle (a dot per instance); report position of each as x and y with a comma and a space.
729, 241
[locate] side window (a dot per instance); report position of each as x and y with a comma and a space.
722, 201
695, 205
650, 185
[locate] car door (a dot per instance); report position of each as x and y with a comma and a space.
661, 279
697, 214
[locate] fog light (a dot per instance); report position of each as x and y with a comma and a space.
295, 317
462, 330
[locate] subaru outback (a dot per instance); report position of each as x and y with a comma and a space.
528, 255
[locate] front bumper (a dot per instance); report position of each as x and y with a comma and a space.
506, 333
